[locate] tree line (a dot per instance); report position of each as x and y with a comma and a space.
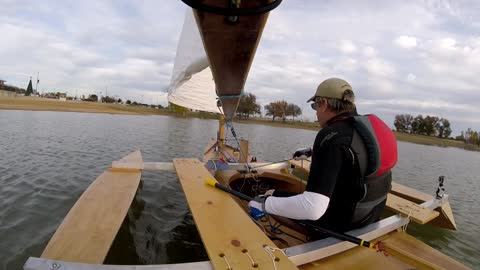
470, 137
278, 109
282, 109
428, 125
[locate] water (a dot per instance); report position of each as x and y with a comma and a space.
49, 158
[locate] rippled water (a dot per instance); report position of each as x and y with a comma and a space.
49, 158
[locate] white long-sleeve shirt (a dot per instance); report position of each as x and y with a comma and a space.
308, 205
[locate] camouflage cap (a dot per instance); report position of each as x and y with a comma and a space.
332, 88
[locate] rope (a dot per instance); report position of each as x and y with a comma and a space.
232, 130
231, 96
404, 227
271, 163
222, 255
270, 251
254, 264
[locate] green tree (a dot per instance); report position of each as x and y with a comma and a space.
403, 122
93, 98
418, 125
107, 99
129, 102
29, 88
269, 110
475, 139
277, 109
443, 128
293, 110
247, 106
430, 123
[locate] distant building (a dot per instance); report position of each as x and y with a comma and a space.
5, 93
7, 90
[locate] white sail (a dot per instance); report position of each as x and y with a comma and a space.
192, 84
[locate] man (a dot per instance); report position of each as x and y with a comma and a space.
350, 173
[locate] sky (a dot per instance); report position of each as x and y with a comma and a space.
415, 57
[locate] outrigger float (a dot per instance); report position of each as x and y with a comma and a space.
230, 31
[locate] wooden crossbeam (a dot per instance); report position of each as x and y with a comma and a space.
417, 213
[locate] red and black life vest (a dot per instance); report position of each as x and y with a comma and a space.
375, 147
380, 143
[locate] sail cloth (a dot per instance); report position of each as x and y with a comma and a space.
192, 84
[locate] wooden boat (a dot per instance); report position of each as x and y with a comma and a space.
232, 239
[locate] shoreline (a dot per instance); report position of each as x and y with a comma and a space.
43, 104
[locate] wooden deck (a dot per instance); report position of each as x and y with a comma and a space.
230, 237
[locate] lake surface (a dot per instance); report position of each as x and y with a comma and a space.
47, 159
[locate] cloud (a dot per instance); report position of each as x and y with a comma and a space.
369, 51
347, 46
426, 63
406, 42
447, 43
379, 67
411, 77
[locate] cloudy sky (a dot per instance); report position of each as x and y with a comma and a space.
416, 57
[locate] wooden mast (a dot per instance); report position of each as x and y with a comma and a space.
221, 131
230, 43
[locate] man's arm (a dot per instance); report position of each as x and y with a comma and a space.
313, 203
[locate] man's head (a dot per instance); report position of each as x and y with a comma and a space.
333, 96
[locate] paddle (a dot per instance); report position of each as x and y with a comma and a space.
341, 236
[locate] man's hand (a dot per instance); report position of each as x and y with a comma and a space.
303, 153
257, 206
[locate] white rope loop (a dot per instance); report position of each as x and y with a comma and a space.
270, 251
222, 255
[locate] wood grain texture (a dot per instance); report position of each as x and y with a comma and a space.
224, 227
358, 258
410, 193
88, 230
419, 254
417, 213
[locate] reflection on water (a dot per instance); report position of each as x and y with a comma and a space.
49, 158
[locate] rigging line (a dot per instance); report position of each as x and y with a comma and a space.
232, 130
275, 229
263, 165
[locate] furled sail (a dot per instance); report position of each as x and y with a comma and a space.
192, 84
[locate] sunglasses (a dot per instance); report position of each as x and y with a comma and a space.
315, 103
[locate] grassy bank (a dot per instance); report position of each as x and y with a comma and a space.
43, 104
405, 137
428, 140
289, 124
